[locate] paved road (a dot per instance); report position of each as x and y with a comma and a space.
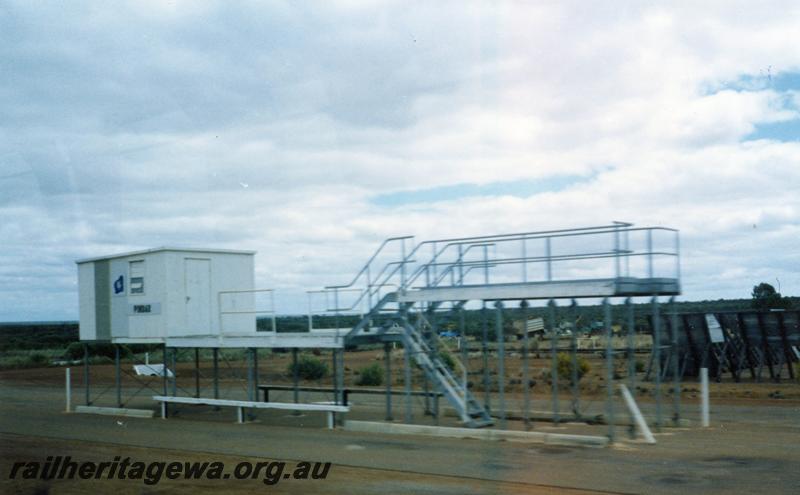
749, 450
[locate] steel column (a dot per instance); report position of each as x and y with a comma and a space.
174, 354
657, 359
501, 370
551, 313
250, 376
676, 381
340, 377
196, 372
609, 368
215, 359
387, 352
335, 366
86, 385
631, 355
164, 368
526, 376
117, 375
485, 355
573, 345
295, 375
434, 341
407, 380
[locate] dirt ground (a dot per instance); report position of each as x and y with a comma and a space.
750, 448
273, 370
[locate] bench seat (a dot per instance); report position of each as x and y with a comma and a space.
241, 405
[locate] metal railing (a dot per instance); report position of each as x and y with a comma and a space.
453, 261
253, 311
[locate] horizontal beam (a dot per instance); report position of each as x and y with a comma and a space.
262, 340
619, 287
251, 404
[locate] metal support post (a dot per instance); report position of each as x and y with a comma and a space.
553, 358
250, 376
196, 372
631, 356
215, 359
68, 389
501, 371
174, 371
609, 368
164, 369
86, 385
657, 359
573, 346
704, 408
387, 352
335, 365
295, 375
526, 375
676, 379
340, 378
464, 347
485, 355
434, 343
117, 375
407, 380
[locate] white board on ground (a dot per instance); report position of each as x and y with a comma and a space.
151, 370
714, 330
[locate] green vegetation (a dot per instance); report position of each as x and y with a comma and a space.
308, 368
59, 340
765, 297
447, 359
371, 375
564, 366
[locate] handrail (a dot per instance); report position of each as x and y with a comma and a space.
372, 258
537, 235
501, 237
386, 276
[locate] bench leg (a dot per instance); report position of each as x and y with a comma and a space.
163, 410
240, 414
330, 420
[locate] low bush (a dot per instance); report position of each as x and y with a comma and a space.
371, 375
564, 366
309, 368
447, 359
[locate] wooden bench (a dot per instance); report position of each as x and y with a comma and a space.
241, 405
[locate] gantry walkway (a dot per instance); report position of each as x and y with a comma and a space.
616, 260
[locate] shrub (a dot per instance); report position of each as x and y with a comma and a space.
75, 350
371, 375
639, 366
564, 366
38, 359
309, 368
447, 359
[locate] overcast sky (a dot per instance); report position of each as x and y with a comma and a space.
311, 131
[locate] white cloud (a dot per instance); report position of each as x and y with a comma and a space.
136, 126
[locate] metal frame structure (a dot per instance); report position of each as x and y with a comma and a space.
460, 270
404, 290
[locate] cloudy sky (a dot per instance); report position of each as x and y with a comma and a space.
311, 131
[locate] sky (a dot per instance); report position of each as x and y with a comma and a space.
311, 131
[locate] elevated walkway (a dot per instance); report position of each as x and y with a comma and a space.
619, 287
616, 260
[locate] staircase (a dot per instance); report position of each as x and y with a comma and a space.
470, 411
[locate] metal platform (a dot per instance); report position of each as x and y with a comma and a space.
573, 289
330, 339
